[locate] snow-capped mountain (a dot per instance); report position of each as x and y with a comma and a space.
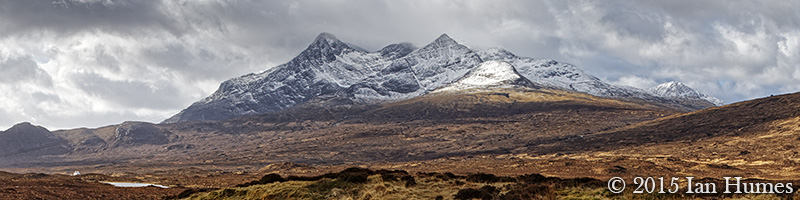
489, 74
674, 89
332, 68
329, 67
418, 72
552, 73
321, 69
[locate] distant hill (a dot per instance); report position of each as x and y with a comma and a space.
27, 139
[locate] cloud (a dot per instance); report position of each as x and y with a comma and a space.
635, 81
24, 69
71, 17
108, 61
128, 94
732, 52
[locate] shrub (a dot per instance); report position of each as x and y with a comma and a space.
271, 178
532, 178
266, 179
488, 178
472, 193
410, 181
528, 192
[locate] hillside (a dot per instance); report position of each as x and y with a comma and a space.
431, 126
765, 118
504, 131
25, 139
756, 139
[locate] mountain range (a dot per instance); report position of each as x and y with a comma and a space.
440, 108
332, 69
333, 90
437, 110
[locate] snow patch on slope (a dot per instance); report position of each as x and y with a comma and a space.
676, 89
488, 74
551, 73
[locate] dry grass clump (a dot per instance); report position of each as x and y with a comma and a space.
363, 184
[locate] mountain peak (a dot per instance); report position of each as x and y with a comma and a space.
444, 36
489, 74
26, 127
326, 37
445, 39
441, 42
22, 126
328, 41
673, 89
678, 89
325, 48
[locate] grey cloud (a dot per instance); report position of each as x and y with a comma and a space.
163, 55
70, 16
645, 25
173, 55
23, 69
8, 119
104, 57
130, 94
632, 40
44, 97
194, 61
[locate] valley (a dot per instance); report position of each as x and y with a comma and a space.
439, 110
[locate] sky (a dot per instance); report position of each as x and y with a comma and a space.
91, 63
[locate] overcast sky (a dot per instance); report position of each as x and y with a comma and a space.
90, 63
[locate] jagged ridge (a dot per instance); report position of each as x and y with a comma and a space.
329, 68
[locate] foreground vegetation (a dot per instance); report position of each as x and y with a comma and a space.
359, 183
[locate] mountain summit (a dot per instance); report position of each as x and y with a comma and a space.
28, 138
674, 89
443, 40
330, 68
490, 74
326, 46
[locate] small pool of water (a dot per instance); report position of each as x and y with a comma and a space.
128, 184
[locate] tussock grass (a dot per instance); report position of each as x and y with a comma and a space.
363, 184
278, 190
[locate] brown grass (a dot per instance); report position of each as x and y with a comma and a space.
441, 186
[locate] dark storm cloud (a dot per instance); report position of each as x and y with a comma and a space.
69, 16
630, 22
114, 60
